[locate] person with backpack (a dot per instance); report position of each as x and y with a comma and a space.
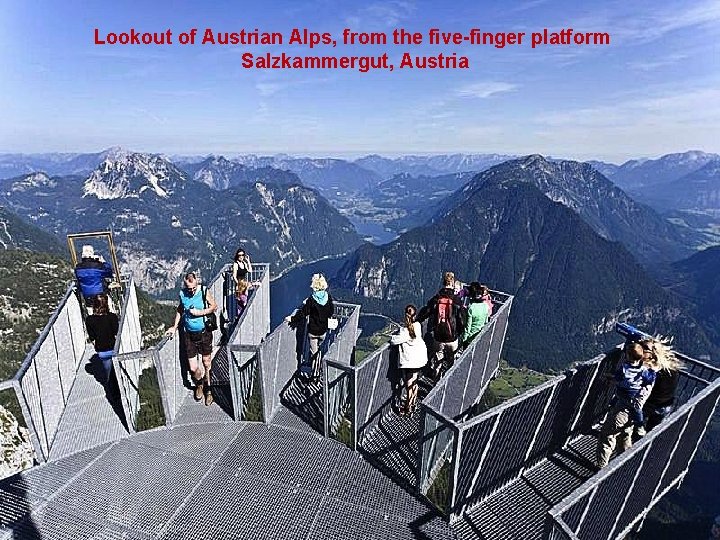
478, 313
196, 303
413, 356
446, 319
317, 308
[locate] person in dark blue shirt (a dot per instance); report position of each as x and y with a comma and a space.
91, 273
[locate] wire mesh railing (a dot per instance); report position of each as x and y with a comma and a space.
465, 382
143, 402
338, 376
244, 383
129, 336
253, 324
614, 501
451, 399
43, 382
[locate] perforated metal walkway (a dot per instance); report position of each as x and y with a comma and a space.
91, 417
518, 510
222, 480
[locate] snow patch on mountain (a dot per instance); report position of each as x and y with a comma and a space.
126, 174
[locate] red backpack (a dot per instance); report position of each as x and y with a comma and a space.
444, 320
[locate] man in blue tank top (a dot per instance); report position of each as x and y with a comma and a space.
192, 310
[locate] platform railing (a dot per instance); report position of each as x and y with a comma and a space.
43, 382
452, 398
338, 379
286, 347
244, 380
129, 336
617, 499
254, 322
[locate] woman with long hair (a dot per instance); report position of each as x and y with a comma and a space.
241, 262
102, 327
660, 357
413, 356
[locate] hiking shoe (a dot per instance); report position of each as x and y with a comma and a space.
209, 400
199, 391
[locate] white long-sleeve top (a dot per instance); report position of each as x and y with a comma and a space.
413, 352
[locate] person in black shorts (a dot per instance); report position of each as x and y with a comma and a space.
196, 303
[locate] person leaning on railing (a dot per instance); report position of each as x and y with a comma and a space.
196, 303
478, 313
661, 402
318, 308
634, 383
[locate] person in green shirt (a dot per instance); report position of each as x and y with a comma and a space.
478, 313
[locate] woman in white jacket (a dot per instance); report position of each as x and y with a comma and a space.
413, 356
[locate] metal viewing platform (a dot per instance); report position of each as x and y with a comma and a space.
277, 456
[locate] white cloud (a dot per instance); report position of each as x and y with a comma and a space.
268, 89
485, 89
380, 14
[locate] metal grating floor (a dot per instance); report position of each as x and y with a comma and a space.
518, 510
214, 480
90, 417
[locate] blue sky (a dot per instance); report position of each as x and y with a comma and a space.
654, 90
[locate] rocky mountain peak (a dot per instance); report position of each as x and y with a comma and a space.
125, 174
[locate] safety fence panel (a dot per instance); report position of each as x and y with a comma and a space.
254, 323
614, 501
339, 394
143, 402
46, 376
465, 382
129, 336
501, 318
699, 369
375, 377
243, 383
170, 374
437, 454
477, 381
506, 450
278, 363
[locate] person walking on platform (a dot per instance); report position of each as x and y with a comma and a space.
413, 356
91, 273
196, 303
102, 327
445, 312
318, 308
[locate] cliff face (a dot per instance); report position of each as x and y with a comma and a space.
16, 452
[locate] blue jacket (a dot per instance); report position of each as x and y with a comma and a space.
90, 274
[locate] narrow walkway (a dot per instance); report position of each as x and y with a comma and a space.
518, 511
91, 417
250, 480
393, 444
192, 412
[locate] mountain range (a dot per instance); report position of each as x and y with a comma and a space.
638, 173
571, 284
166, 224
697, 191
